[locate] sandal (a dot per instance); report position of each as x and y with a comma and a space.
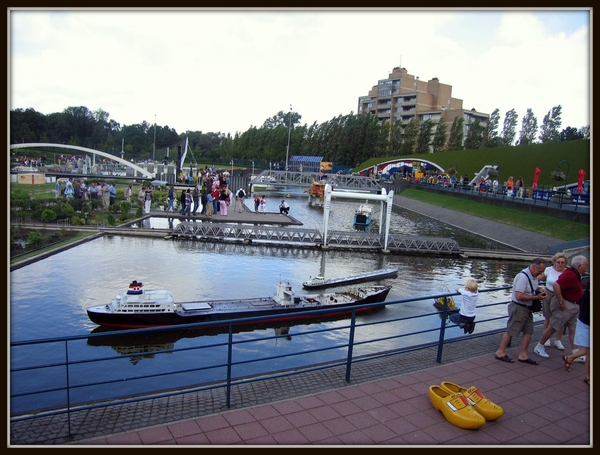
567, 363
586, 380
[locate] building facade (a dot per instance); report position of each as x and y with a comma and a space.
402, 97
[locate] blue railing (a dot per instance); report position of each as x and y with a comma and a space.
541, 196
75, 377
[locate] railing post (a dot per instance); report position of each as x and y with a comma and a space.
229, 357
350, 345
442, 331
68, 389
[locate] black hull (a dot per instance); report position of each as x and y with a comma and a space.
272, 315
350, 280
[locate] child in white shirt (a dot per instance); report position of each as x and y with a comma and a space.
466, 316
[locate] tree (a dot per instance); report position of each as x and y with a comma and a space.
550, 125
528, 129
439, 139
570, 134
409, 137
455, 142
474, 138
490, 132
508, 131
424, 137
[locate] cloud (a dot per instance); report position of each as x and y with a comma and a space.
224, 71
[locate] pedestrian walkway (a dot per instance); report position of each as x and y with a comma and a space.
385, 404
524, 240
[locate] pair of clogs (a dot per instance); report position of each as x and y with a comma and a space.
463, 407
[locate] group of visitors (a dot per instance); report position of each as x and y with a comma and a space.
565, 304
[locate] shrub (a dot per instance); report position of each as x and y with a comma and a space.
110, 219
35, 239
49, 216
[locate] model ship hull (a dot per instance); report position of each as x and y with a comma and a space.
320, 282
251, 311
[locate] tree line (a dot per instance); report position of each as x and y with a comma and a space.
346, 140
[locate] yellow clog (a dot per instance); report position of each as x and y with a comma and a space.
488, 409
455, 408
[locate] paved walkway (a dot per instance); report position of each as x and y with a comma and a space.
386, 403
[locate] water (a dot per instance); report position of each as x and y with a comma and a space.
49, 299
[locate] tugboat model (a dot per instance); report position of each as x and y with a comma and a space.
140, 307
362, 216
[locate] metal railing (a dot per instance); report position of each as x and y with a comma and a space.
75, 371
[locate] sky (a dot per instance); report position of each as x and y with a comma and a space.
224, 71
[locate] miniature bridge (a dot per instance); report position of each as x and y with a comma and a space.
223, 232
305, 179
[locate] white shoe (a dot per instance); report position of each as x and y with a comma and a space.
558, 345
580, 359
539, 350
547, 343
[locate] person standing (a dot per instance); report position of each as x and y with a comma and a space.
239, 199
582, 332
105, 196
129, 193
568, 290
203, 201
223, 201
520, 319
188, 203
182, 201
141, 195
112, 193
215, 196
520, 188
256, 203
209, 204
263, 205
147, 199
196, 199
171, 199
550, 275
57, 189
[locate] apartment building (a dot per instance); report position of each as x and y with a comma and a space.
402, 97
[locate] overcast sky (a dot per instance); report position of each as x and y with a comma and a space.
225, 71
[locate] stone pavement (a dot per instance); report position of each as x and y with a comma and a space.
386, 403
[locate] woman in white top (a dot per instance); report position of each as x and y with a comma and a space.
550, 275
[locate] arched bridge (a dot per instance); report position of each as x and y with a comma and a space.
142, 171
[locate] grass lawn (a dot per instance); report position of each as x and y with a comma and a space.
544, 224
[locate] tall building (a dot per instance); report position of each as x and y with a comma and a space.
402, 97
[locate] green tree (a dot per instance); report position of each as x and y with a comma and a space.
529, 129
455, 142
439, 138
424, 137
475, 134
490, 132
409, 137
550, 125
509, 129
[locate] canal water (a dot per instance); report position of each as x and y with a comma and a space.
49, 299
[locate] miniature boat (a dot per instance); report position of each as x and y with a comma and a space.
140, 307
439, 304
362, 216
322, 282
